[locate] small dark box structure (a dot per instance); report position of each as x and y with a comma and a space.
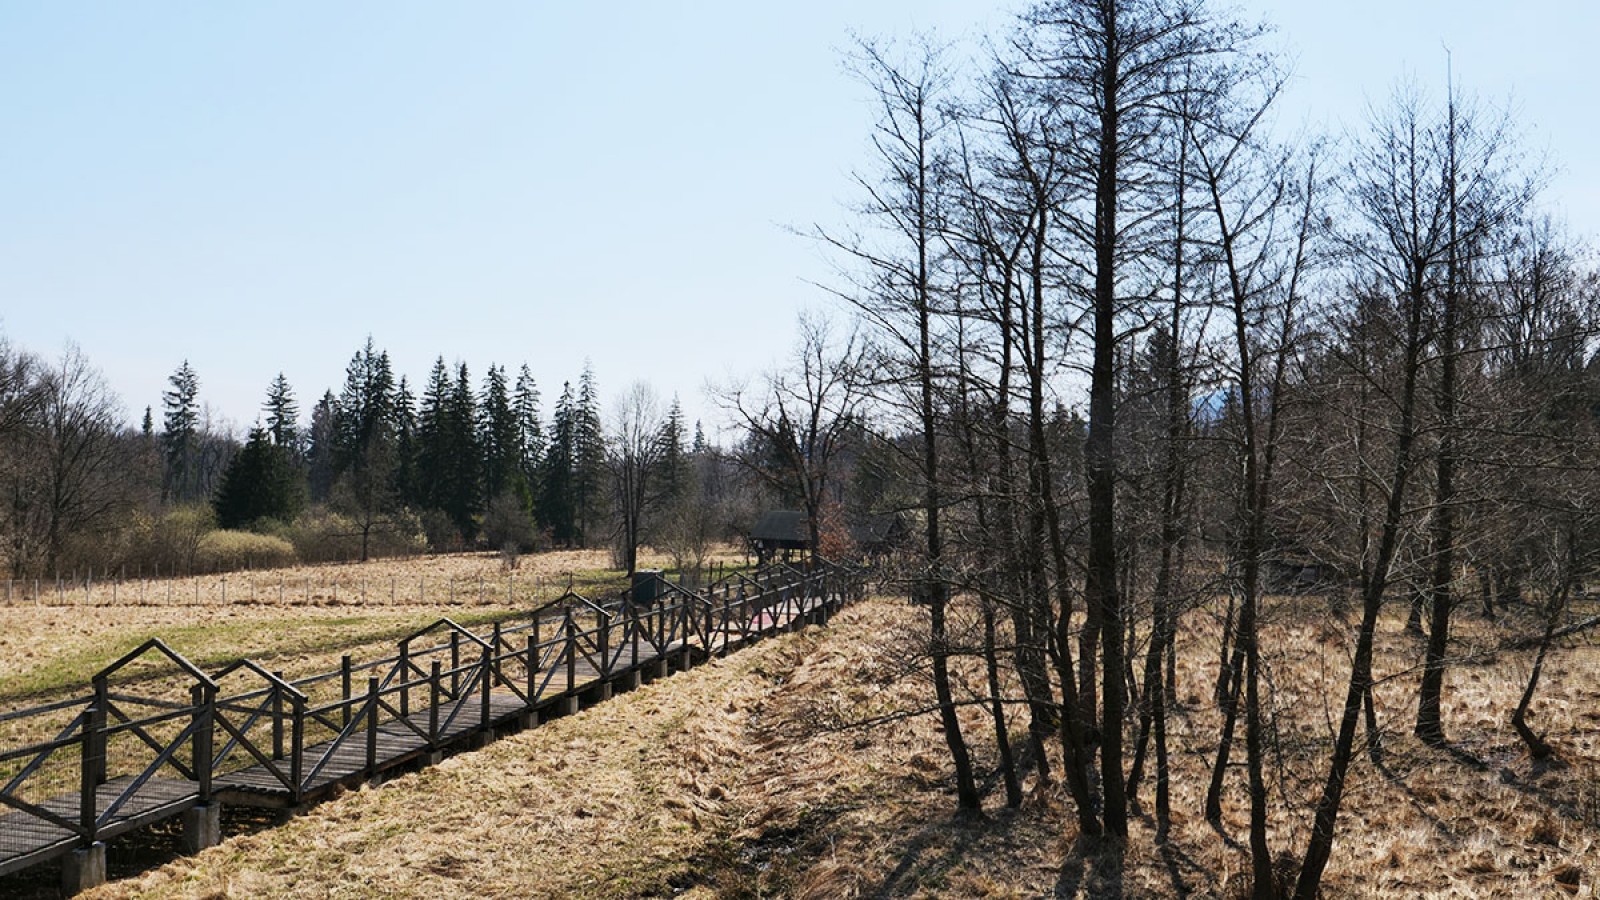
648, 586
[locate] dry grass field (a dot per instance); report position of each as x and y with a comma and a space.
730, 781
298, 620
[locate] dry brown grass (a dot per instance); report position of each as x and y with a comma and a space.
723, 783
299, 620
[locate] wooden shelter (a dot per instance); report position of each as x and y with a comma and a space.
779, 534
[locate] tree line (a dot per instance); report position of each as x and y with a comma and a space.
376, 469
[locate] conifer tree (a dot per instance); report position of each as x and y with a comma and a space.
589, 458
462, 500
431, 451
261, 482
321, 439
673, 456
498, 436
405, 442
530, 431
283, 415
179, 436
557, 508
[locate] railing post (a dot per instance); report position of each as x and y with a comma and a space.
97, 730
632, 626
532, 668
494, 647
203, 697
572, 652
372, 726
488, 686
297, 750
92, 763
344, 682
455, 664
433, 705
277, 718
405, 678
603, 626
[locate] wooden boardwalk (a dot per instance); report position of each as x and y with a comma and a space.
279, 743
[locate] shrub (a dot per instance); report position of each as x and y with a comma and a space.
167, 543
226, 550
322, 535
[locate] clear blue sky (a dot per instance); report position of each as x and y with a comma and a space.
258, 187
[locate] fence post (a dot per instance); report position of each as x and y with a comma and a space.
603, 626
372, 726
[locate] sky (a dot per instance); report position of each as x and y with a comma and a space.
257, 188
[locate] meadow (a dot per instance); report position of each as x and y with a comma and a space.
807, 766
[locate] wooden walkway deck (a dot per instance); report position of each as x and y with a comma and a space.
281, 743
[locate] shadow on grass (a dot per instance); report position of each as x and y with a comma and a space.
1093, 869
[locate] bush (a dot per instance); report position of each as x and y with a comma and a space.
167, 543
322, 535
224, 550
507, 525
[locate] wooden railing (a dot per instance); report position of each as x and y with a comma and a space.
271, 736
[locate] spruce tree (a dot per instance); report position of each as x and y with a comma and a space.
283, 415
179, 437
321, 447
530, 431
557, 503
260, 483
674, 466
462, 497
589, 458
404, 416
498, 438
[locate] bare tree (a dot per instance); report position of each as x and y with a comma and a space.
634, 453
800, 419
67, 472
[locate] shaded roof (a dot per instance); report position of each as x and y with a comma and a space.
885, 528
782, 526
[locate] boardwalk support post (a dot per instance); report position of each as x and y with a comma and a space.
202, 823
83, 869
202, 827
